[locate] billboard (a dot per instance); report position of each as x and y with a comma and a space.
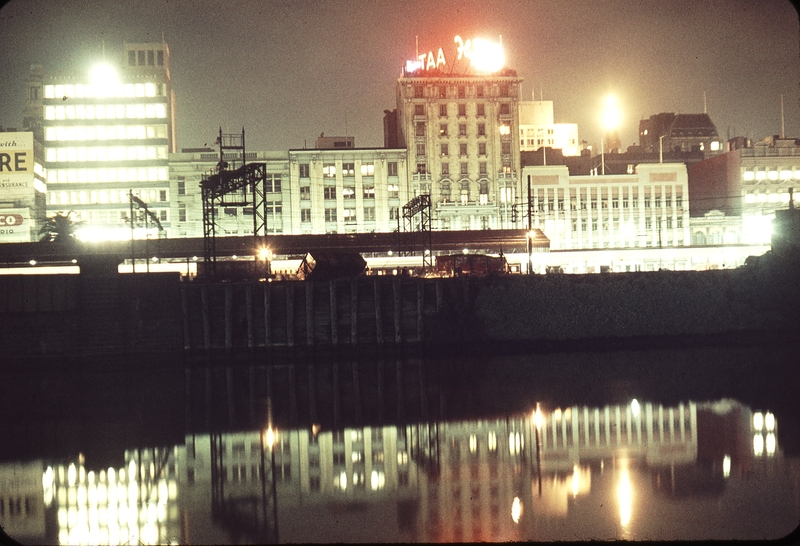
16, 167
15, 225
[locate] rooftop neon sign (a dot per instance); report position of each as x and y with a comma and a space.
483, 55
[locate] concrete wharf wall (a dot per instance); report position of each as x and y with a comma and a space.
74, 315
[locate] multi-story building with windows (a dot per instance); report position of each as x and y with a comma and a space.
537, 129
107, 132
352, 191
645, 209
312, 191
747, 184
188, 168
460, 132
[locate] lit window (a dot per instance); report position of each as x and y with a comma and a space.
748, 175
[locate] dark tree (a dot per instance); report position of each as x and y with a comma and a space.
59, 228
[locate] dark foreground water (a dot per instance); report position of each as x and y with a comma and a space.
690, 443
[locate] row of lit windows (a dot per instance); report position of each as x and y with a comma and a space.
541, 204
105, 132
106, 111
104, 90
102, 175
349, 215
349, 192
348, 169
629, 226
105, 153
104, 197
772, 174
480, 91
768, 198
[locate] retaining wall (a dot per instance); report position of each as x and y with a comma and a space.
73, 315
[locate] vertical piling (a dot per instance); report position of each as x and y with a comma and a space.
353, 311
206, 316
334, 314
309, 313
376, 289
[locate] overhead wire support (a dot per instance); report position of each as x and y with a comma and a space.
419, 206
235, 183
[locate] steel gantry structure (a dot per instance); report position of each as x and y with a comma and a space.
419, 206
233, 183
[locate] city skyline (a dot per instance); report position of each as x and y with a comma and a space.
288, 72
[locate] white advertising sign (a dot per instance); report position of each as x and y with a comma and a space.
16, 166
15, 225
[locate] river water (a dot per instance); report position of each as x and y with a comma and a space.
689, 443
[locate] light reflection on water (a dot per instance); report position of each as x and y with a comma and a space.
636, 469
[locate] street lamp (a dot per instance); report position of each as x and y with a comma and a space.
610, 120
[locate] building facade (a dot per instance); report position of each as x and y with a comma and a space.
353, 191
308, 191
537, 129
645, 209
460, 133
106, 133
680, 133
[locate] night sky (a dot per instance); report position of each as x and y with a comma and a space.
287, 71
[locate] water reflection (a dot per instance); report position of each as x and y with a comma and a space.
270, 456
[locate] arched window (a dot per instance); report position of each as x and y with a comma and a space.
445, 191
699, 238
483, 191
464, 191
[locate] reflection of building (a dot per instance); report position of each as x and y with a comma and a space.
22, 513
512, 478
135, 503
106, 132
461, 135
22, 187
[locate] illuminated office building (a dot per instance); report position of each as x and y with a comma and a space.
624, 222
646, 209
460, 128
106, 131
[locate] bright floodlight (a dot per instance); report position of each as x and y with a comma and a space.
487, 56
611, 114
104, 78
